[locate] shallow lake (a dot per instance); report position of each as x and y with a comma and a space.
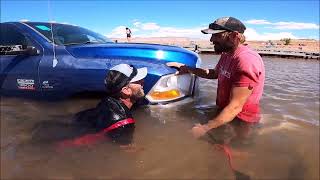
286, 145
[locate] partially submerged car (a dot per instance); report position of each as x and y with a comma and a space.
61, 60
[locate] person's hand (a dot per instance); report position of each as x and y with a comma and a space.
182, 68
199, 130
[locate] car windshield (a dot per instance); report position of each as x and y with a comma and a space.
65, 34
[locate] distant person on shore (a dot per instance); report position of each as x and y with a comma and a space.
112, 118
128, 32
240, 73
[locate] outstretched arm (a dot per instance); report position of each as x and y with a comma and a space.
204, 73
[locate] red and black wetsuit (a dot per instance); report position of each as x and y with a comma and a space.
109, 119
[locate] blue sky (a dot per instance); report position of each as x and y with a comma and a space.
265, 20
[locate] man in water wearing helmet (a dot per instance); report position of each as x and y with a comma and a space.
112, 118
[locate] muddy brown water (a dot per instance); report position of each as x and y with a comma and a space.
286, 145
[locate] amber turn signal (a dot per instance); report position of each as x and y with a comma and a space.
171, 94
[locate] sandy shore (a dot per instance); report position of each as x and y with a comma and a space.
298, 45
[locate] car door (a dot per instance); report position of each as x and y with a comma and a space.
18, 72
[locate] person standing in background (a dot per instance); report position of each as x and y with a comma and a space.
128, 32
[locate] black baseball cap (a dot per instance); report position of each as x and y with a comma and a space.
225, 24
121, 75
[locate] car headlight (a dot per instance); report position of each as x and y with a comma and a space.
171, 87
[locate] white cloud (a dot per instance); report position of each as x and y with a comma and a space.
252, 34
152, 29
134, 30
24, 20
149, 26
146, 26
117, 32
257, 21
176, 32
284, 25
294, 25
137, 24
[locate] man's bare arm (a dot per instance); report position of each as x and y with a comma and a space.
239, 96
204, 73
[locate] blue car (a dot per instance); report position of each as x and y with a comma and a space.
61, 60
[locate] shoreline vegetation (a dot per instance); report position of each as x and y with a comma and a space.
294, 48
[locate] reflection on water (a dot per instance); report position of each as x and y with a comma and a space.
286, 145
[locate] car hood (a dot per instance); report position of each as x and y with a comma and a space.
144, 52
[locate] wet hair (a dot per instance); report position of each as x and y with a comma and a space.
240, 38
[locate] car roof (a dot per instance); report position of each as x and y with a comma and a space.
35, 22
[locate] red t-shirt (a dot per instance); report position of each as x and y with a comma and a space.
243, 68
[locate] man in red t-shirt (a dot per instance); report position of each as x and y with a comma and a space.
240, 73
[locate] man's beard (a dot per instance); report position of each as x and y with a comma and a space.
138, 95
220, 48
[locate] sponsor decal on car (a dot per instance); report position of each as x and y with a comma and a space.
46, 85
26, 84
